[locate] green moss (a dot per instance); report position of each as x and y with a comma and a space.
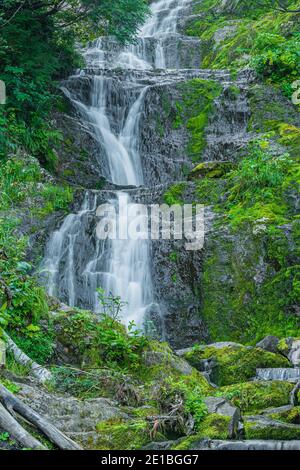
209, 191
258, 430
197, 98
291, 416
235, 364
12, 387
254, 396
142, 412
174, 195
283, 346
257, 202
214, 426
211, 169
125, 435
187, 443
263, 39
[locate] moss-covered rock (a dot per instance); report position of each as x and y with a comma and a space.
214, 426
194, 110
253, 396
211, 170
125, 435
291, 415
234, 363
257, 427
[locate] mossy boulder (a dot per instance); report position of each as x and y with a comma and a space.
214, 426
211, 170
253, 396
291, 415
125, 435
257, 427
161, 365
234, 363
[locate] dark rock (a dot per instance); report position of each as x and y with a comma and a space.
225, 408
269, 343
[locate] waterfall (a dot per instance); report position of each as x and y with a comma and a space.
278, 374
76, 263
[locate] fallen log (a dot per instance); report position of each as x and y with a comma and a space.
17, 432
38, 371
11, 402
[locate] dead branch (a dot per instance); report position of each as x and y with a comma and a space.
38, 371
12, 402
11, 425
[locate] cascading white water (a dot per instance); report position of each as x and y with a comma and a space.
120, 267
155, 32
278, 374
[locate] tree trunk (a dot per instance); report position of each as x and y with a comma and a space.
9, 424
54, 435
39, 372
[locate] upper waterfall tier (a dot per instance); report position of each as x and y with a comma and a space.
159, 44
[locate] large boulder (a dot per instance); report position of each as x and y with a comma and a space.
232, 362
223, 407
67, 413
269, 343
254, 396
261, 427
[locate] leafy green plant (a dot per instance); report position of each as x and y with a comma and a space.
277, 58
4, 436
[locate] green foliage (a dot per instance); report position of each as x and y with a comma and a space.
277, 58
4, 436
174, 195
56, 198
105, 341
37, 49
28, 300
184, 394
195, 405
194, 111
19, 178
264, 37
257, 187
38, 345
12, 387
22, 186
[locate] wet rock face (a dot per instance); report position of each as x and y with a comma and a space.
162, 145
79, 153
176, 274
